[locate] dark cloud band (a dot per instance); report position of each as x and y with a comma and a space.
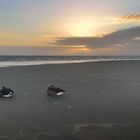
113, 39
131, 17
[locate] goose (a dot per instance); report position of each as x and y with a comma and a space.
55, 91
6, 92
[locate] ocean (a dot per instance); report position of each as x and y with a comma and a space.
7, 61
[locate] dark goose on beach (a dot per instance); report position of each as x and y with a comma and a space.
6, 92
55, 91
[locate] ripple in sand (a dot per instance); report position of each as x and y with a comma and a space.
79, 127
23, 135
44, 135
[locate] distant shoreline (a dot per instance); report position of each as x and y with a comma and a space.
35, 63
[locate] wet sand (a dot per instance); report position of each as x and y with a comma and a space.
102, 102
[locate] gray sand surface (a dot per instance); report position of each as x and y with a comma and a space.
102, 102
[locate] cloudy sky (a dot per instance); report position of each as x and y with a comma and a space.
70, 27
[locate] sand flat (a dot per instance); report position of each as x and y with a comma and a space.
102, 102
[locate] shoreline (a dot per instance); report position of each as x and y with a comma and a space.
38, 63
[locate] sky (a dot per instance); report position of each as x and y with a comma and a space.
69, 27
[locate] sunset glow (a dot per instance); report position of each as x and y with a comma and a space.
56, 24
83, 28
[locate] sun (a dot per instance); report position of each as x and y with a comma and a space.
82, 28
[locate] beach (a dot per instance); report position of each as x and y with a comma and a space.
102, 102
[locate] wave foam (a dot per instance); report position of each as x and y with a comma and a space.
29, 63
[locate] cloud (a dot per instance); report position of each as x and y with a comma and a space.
113, 39
131, 17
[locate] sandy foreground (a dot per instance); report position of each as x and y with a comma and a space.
102, 102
